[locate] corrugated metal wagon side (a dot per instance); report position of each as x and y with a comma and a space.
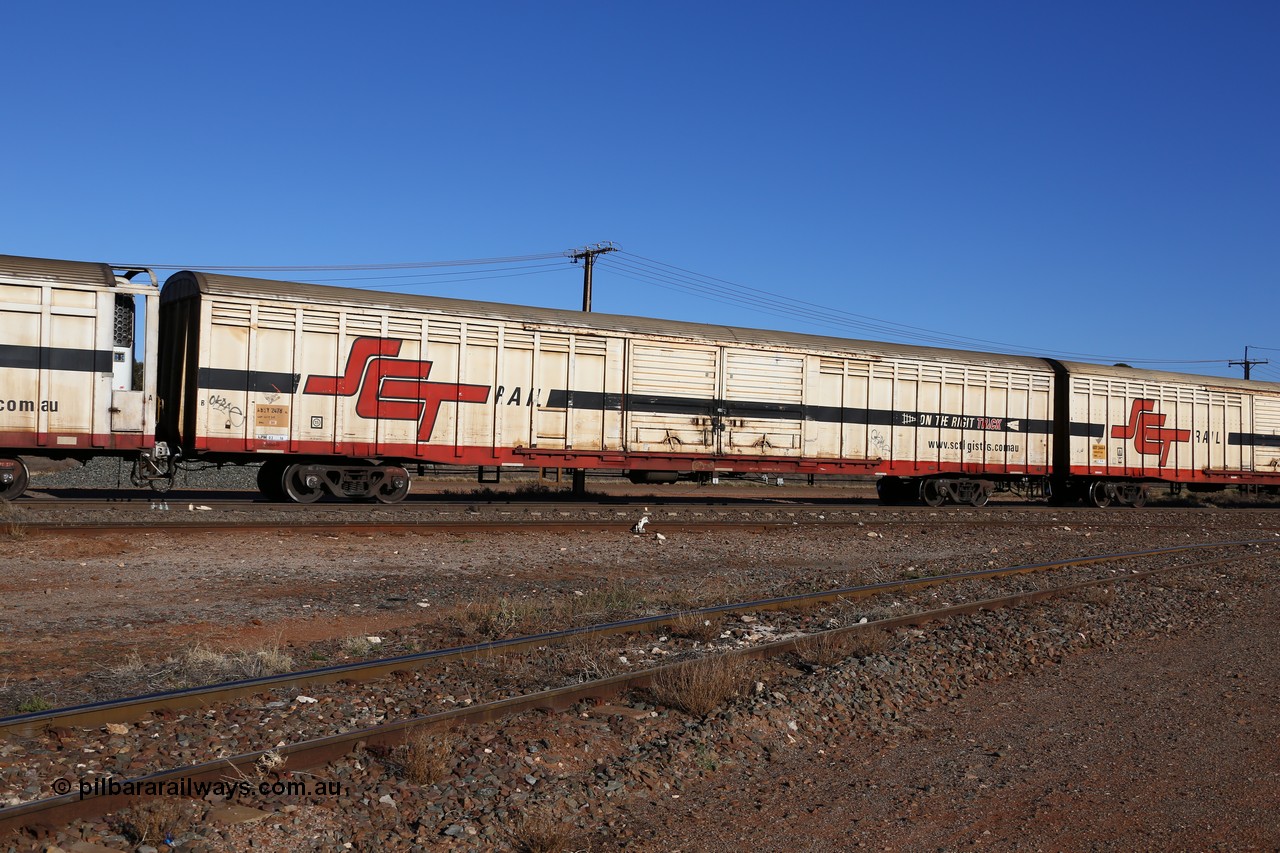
1131, 426
954, 425
71, 384
331, 378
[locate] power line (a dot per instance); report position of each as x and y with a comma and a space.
719, 290
670, 277
340, 267
439, 278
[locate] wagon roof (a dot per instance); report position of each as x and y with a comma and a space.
47, 270
187, 283
1135, 374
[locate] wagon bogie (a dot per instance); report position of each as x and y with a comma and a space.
308, 482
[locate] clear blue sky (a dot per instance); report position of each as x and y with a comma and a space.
1087, 177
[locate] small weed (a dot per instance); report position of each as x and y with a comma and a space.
34, 705
426, 757
700, 686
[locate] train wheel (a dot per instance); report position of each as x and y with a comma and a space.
932, 493
1139, 498
271, 481
1100, 495
980, 497
393, 489
300, 487
13, 479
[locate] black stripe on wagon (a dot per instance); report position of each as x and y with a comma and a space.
762, 410
55, 358
668, 405
591, 400
223, 379
1089, 430
1252, 439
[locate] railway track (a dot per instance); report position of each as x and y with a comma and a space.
194, 514
315, 751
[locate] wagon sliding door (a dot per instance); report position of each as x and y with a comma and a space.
763, 402
671, 394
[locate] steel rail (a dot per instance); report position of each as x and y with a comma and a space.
524, 524
308, 755
95, 714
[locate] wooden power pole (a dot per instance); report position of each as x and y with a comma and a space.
587, 255
1248, 363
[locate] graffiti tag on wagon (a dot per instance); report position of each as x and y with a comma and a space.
235, 414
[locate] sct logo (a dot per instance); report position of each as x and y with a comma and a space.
392, 388
1147, 429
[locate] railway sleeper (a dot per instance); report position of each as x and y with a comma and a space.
307, 482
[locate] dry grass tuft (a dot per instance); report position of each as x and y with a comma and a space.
1075, 618
585, 657
864, 644
700, 686
203, 665
691, 626
13, 528
268, 763
538, 831
1101, 595
505, 617
825, 649
357, 647
426, 757
612, 601
153, 822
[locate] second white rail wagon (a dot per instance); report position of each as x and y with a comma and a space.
339, 389
1122, 427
